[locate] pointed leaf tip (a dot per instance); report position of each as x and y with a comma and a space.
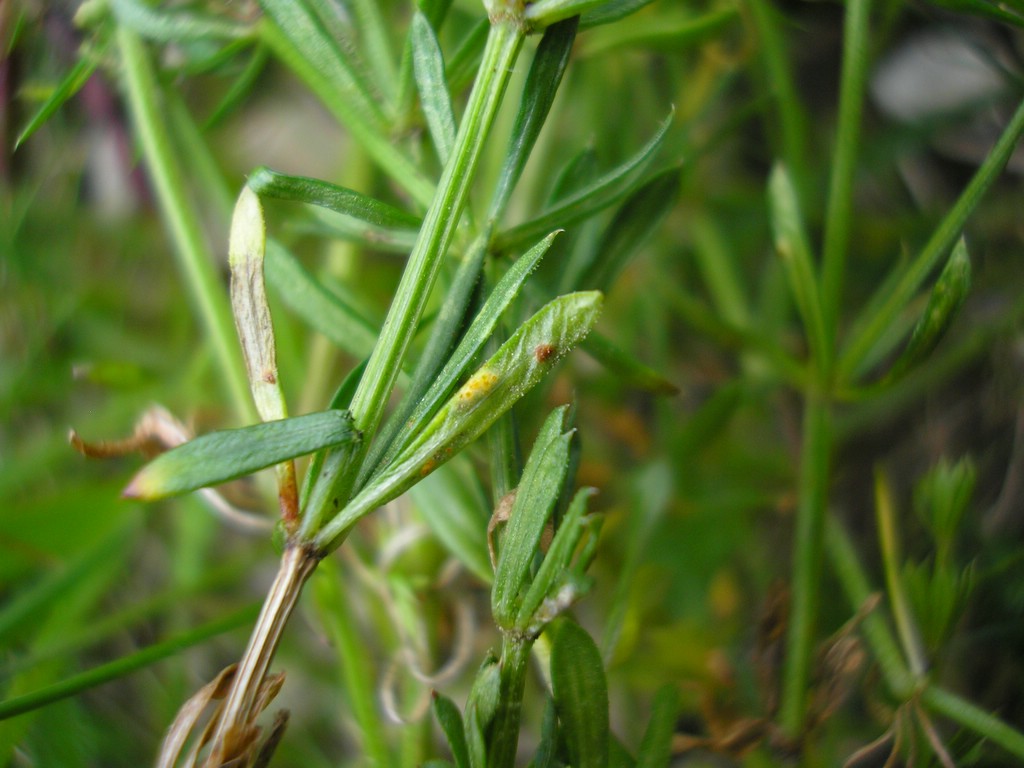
231, 453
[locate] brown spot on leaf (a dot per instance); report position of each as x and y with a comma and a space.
544, 352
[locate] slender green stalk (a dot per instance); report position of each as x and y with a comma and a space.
881, 313
438, 229
793, 123
901, 682
806, 578
194, 259
889, 544
975, 718
840, 198
843, 558
336, 614
76, 684
515, 657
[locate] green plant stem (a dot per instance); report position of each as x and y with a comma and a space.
806, 577
881, 313
438, 229
792, 116
504, 740
843, 559
116, 669
840, 198
194, 259
900, 681
336, 614
975, 718
889, 544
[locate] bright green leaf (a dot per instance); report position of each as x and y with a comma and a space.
68, 87
515, 369
450, 720
549, 64
794, 250
944, 304
656, 746
581, 695
221, 456
428, 66
594, 197
550, 594
535, 499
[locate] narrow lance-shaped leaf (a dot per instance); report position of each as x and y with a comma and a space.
794, 250
594, 197
443, 333
550, 594
455, 508
68, 87
656, 747
581, 695
944, 304
301, 189
428, 66
175, 26
625, 367
613, 10
549, 64
450, 720
535, 499
246, 249
636, 219
221, 456
473, 341
513, 370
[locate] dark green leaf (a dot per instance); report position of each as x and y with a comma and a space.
581, 695
341, 400
464, 61
473, 341
220, 456
542, 83
68, 87
630, 371
450, 719
944, 304
656, 747
240, 88
428, 66
535, 499
613, 10
549, 585
794, 250
381, 217
546, 12
597, 195
636, 219
515, 369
